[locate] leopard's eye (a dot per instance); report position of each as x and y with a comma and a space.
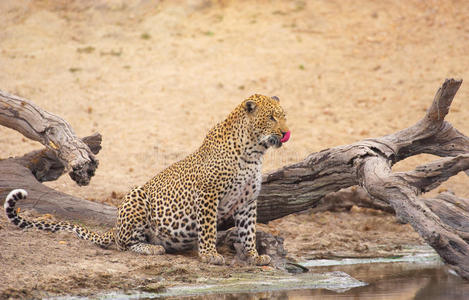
272, 118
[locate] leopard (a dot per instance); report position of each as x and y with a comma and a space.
181, 207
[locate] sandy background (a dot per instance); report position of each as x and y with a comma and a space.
152, 77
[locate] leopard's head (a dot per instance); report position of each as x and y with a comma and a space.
267, 120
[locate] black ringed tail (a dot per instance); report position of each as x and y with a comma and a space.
102, 240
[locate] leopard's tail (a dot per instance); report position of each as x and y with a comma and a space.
102, 240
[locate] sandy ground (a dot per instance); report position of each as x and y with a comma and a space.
152, 77
40, 264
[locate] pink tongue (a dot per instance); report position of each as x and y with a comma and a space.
286, 137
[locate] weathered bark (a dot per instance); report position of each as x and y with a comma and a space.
52, 131
453, 211
46, 166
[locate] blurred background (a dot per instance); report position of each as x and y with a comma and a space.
154, 76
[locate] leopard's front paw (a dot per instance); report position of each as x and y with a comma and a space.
258, 260
212, 258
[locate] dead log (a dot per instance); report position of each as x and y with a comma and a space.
52, 131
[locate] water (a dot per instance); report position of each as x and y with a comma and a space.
392, 281
420, 275
385, 281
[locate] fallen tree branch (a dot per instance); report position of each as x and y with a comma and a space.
429, 176
64, 151
52, 131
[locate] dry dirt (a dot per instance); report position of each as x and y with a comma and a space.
152, 77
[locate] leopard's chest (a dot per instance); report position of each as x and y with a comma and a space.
245, 187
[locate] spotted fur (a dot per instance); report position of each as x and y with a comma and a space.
180, 207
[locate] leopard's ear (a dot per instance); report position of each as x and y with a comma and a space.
275, 98
250, 106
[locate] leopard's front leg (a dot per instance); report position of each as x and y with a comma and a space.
207, 230
245, 220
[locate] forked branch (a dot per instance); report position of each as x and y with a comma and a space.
368, 164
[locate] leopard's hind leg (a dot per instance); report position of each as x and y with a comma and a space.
133, 224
